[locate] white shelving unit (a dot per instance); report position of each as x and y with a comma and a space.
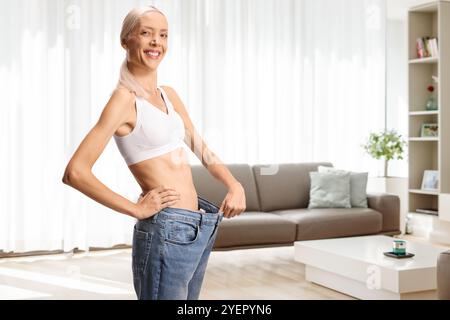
429, 153
424, 60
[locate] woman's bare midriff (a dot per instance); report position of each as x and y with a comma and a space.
171, 170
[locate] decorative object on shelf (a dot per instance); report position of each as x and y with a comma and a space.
432, 46
387, 145
430, 180
420, 48
435, 79
429, 130
427, 47
431, 104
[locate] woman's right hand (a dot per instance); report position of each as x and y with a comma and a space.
154, 201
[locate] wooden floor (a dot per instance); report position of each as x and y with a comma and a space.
240, 274
269, 273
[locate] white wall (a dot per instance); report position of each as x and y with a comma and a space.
396, 88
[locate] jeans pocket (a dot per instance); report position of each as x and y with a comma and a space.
140, 250
181, 232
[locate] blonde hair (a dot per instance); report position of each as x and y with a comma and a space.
126, 78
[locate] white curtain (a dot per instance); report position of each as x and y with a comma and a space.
265, 81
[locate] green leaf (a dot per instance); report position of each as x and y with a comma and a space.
388, 145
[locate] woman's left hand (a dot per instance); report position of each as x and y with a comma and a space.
234, 202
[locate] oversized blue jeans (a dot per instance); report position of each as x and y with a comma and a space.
171, 250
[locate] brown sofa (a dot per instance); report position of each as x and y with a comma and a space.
277, 214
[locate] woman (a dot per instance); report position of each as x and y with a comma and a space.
176, 229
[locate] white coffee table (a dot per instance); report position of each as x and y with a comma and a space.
356, 266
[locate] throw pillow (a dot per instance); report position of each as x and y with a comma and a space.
329, 190
358, 186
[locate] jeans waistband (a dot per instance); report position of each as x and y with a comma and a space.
211, 215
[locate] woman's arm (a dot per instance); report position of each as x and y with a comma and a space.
78, 173
234, 203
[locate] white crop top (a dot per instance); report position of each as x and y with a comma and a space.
156, 132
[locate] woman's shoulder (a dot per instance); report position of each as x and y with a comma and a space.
122, 99
173, 96
123, 96
171, 93
123, 93
168, 90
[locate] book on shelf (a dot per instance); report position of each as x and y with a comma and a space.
427, 47
427, 211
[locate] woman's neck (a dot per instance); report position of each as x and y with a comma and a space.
148, 79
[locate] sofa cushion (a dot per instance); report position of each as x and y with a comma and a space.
284, 188
329, 190
213, 190
255, 228
358, 186
315, 224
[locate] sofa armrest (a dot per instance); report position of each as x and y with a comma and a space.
389, 206
443, 276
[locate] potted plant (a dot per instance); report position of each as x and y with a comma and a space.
387, 145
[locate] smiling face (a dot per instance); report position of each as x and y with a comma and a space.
147, 44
